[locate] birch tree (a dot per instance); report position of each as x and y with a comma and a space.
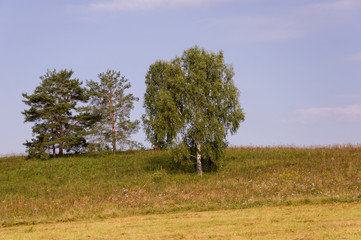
109, 100
162, 121
191, 105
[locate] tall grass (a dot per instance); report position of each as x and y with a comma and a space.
141, 182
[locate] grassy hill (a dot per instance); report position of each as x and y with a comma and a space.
143, 182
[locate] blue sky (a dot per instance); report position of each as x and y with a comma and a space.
297, 63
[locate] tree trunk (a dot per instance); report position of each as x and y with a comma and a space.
114, 144
54, 153
61, 150
113, 134
199, 162
113, 124
61, 143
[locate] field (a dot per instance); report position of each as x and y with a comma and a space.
329, 221
96, 188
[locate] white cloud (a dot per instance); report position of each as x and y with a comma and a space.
289, 23
351, 113
250, 28
334, 6
322, 15
294, 22
355, 57
349, 96
133, 5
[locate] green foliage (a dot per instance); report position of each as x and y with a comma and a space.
109, 101
54, 109
182, 155
191, 102
213, 155
162, 121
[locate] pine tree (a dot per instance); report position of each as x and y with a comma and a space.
54, 108
109, 100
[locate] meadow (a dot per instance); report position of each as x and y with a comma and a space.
102, 186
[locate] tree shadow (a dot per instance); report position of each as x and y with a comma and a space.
166, 163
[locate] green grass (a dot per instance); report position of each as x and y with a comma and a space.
144, 182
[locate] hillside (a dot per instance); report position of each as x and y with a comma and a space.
143, 182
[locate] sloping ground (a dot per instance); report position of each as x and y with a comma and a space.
144, 182
328, 221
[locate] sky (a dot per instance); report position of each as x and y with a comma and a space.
297, 63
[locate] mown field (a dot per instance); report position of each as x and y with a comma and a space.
103, 186
326, 221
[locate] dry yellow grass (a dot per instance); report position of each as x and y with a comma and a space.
328, 221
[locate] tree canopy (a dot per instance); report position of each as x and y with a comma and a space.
67, 116
54, 108
191, 105
109, 100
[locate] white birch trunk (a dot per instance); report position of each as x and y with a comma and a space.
199, 162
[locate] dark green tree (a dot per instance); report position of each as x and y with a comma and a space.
109, 100
54, 108
191, 105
